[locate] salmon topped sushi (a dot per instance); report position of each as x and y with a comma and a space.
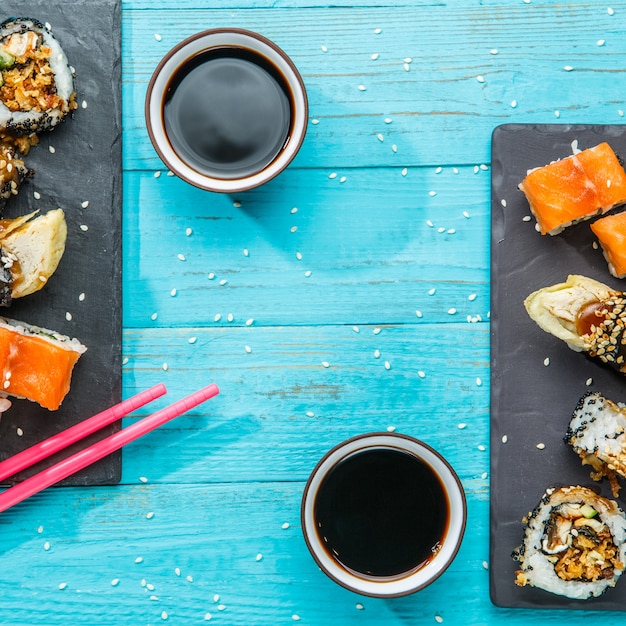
611, 233
36, 363
575, 188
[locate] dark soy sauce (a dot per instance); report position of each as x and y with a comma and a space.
381, 513
227, 113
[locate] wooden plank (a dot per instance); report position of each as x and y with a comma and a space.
280, 408
368, 243
443, 109
109, 562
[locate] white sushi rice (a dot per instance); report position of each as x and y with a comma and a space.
597, 433
51, 336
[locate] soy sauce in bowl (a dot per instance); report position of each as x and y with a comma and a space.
228, 112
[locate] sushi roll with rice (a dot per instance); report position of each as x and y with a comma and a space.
586, 314
597, 433
576, 188
574, 544
36, 363
36, 81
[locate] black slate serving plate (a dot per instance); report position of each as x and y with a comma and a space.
531, 402
84, 165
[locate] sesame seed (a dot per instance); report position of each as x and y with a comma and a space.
237, 204
181, 257
504, 438
40, 529
51, 149
484, 475
221, 607
310, 414
589, 382
189, 579
503, 202
481, 447
68, 316
466, 215
19, 431
223, 282
230, 317
387, 365
359, 606
315, 122
324, 49
493, 51
332, 175
526, 218
377, 354
46, 546
246, 252
81, 297
461, 426
568, 68
513, 104
248, 349
391, 429
479, 382
115, 582
419, 314
188, 232
557, 114
250, 322
343, 179
216, 598
380, 137
485, 565
480, 79
374, 56
173, 293
154, 316
211, 276
610, 11
601, 42
546, 361
164, 615
405, 171
438, 619
157, 36
207, 617
165, 367
307, 273
63, 586
377, 31
259, 557
421, 374
285, 526
295, 617
143, 479
84, 104
407, 67
294, 210
451, 311
388, 120
376, 331
471, 297
431, 292
217, 317
362, 88
325, 364
157, 174
540, 446
429, 223
432, 194
356, 329
139, 559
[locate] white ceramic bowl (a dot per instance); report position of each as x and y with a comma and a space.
188, 50
402, 584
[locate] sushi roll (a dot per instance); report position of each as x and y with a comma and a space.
574, 544
36, 81
12, 173
31, 249
597, 433
586, 314
611, 233
575, 188
36, 363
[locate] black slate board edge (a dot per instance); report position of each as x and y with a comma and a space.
531, 403
84, 166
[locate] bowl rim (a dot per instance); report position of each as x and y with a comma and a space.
184, 51
412, 581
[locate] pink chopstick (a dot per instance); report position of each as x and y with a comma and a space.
66, 438
99, 450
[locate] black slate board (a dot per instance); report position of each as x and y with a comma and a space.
532, 403
85, 166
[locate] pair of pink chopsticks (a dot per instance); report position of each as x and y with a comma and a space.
96, 451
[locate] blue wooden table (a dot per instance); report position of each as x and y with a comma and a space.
348, 295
